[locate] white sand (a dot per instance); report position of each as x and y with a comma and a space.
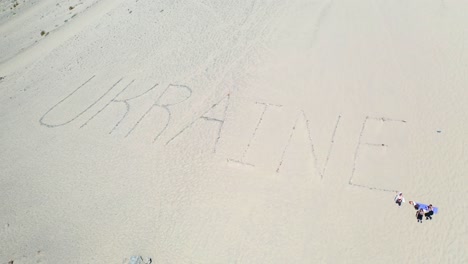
233, 131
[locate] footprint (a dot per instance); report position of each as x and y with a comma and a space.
6, 230
40, 257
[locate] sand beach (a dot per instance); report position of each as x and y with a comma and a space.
233, 131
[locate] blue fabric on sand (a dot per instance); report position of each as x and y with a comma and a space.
425, 207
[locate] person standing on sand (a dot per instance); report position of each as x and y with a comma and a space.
419, 215
429, 213
399, 199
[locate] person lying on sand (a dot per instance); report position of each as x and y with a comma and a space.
414, 204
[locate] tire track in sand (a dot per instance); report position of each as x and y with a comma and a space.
45, 46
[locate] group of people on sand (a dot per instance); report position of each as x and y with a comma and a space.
421, 211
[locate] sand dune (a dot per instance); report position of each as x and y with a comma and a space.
234, 132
